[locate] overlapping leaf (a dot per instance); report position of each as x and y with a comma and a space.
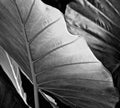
98, 21
35, 35
10, 67
9, 97
49, 99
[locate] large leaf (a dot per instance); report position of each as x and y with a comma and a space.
98, 21
36, 37
9, 97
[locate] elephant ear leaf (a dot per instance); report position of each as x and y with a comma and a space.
98, 21
35, 36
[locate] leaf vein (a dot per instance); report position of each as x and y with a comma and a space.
30, 11
63, 65
50, 81
37, 34
51, 51
103, 15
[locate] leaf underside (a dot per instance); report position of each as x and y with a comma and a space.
36, 37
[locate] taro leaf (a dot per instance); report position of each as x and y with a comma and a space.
36, 37
99, 22
9, 97
10, 67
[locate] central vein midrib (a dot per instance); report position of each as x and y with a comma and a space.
30, 60
26, 40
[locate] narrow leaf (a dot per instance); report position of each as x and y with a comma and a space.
49, 99
9, 98
11, 69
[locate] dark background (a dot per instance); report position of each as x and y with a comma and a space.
28, 88
59, 4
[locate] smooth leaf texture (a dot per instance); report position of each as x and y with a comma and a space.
10, 67
36, 37
99, 22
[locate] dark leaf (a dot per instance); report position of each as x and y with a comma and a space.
98, 21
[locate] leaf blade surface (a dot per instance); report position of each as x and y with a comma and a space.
52, 58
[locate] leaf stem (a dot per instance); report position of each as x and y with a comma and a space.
36, 98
